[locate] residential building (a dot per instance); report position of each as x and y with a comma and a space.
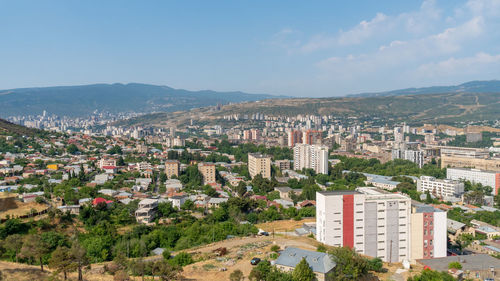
146, 210
415, 156
259, 164
492, 164
428, 232
208, 172
312, 137
440, 188
311, 157
282, 164
106, 162
172, 168
320, 263
477, 267
486, 178
375, 223
294, 137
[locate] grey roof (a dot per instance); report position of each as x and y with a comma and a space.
319, 262
469, 262
339, 192
454, 225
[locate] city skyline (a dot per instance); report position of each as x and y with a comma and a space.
326, 49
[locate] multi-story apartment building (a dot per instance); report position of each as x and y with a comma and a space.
428, 232
441, 188
312, 137
294, 137
492, 164
107, 162
208, 172
172, 168
282, 164
415, 156
311, 157
486, 178
259, 164
376, 224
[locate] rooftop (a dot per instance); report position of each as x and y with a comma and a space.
319, 262
338, 192
469, 262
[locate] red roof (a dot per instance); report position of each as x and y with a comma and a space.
101, 200
109, 167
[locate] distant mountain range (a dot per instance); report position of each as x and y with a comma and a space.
492, 86
80, 101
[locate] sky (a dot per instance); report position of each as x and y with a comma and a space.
293, 47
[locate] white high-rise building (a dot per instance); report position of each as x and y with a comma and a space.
373, 223
486, 178
441, 188
311, 157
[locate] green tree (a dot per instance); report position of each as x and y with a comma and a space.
79, 258
166, 271
236, 275
431, 275
13, 243
181, 259
303, 272
61, 262
34, 248
72, 149
350, 265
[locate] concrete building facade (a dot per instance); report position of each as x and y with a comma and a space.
311, 157
440, 188
208, 172
374, 223
486, 178
259, 164
172, 168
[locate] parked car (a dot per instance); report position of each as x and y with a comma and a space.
255, 261
264, 233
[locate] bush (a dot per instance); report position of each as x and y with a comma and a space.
181, 259
321, 248
455, 265
275, 248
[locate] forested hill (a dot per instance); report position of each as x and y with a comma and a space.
81, 101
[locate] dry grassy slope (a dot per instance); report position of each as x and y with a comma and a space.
9, 128
443, 108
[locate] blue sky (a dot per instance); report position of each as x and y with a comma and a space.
299, 48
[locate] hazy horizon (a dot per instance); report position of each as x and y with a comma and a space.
293, 48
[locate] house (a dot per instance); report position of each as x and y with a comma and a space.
178, 201
100, 200
102, 178
285, 191
146, 211
215, 202
481, 266
320, 263
109, 169
108, 192
72, 209
455, 228
173, 184
284, 203
306, 203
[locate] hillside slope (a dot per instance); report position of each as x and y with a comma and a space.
491, 86
81, 101
441, 108
11, 128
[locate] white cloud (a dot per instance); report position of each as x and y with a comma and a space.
477, 64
